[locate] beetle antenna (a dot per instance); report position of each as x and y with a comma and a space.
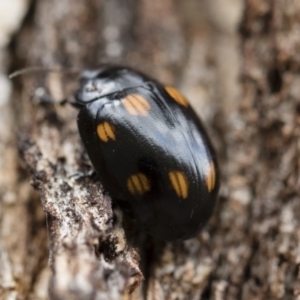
42, 69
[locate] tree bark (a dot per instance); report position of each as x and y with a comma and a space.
238, 63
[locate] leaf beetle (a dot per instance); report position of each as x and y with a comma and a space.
149, 149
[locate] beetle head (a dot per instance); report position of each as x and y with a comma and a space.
99, 83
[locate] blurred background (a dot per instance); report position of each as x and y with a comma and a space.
238, 64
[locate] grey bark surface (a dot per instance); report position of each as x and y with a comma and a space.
238, 63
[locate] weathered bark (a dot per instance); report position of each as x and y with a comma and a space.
241, 74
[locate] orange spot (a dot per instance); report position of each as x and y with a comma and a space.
136, 105
106, 131
177, 96
211, 177
138, 184
179, 183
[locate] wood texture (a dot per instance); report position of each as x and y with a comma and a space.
238, 63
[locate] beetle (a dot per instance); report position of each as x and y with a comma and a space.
149, 149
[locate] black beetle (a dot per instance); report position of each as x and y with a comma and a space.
149, 149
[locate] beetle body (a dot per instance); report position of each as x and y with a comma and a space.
149, 149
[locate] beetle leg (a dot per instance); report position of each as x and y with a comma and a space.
81, 175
